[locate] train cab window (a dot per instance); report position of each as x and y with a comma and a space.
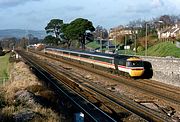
134, 64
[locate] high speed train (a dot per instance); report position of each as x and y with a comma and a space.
127, 64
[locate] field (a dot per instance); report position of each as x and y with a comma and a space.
4, 67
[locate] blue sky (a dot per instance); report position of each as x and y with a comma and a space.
35, 14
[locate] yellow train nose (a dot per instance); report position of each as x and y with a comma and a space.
136, 72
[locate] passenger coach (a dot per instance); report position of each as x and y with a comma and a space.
126, 64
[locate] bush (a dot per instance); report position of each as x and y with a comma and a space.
178, 40
49, 95
140, 48
2, 100
35, 88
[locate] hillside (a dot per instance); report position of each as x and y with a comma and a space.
164, 49
19, 33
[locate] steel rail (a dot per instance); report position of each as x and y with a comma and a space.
118, 99
129, 105
164, 92
87, 107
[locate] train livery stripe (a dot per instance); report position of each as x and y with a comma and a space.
101, 63
133, 71
124, 68
81, 53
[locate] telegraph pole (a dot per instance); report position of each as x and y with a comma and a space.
146, 43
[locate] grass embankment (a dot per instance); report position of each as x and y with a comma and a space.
4, 66
93, 45
164, 49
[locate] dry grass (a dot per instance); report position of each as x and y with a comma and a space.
49, 95
9, 110
42, 114
35, 88
22, 79
48, 115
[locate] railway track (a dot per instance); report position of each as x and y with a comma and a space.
107, 97
160, 90
58, 82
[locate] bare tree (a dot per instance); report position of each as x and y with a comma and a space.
101, 32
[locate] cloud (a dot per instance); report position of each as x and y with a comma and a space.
74, 8
151, 7
12, 3
139, 10
157, 3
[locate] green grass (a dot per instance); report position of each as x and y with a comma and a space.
164, 49
128, 52
4, 66
93, 45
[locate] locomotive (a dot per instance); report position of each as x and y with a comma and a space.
131, 65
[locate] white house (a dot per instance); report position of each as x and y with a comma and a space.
170, 32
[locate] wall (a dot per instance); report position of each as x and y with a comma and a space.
166, 70
177, 44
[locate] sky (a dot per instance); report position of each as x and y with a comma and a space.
35, 14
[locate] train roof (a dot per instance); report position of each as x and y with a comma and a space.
98, 54
102, 55
125, 57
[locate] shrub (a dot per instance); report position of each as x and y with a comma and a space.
35, 88
2, 100
178, 39
140, 48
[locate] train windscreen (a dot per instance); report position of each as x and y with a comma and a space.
134, 64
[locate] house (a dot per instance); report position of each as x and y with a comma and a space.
169, 32
120, 31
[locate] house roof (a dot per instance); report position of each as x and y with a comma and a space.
170, 29
165, 30
174, 30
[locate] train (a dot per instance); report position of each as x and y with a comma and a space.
131, 65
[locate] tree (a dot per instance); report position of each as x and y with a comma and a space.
51, 40
66, 35
54, 27
23, 43
101, 32
8, 43
77, 30
1, 50
167, 20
